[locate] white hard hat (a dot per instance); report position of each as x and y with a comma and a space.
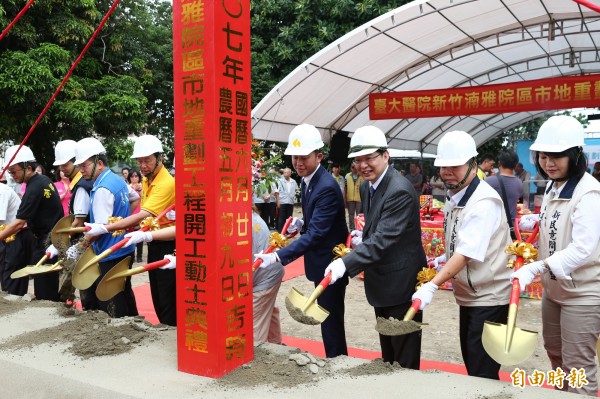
366, 140
87, 148
559, 133
146, 145
64, 152
24, 155
455, 149
303, 140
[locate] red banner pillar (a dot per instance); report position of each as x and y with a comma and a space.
211, 53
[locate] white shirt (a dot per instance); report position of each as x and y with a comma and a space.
9, 204
376, 184
586, 232
104, 201
309, 177
81, 203
476, 230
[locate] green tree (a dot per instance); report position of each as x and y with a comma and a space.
122, 87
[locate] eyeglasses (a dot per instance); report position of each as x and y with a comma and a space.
367, 160
85, 165
14, 172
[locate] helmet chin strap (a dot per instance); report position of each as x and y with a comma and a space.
94, 170
464, 179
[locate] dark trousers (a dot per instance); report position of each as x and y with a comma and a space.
162, 283
139, 249
45, 285
272, 215
403, 349
13, 257
477, 361
332, 329
121, 305
285, 211
263, 210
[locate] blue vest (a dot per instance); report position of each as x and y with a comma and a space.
118, 188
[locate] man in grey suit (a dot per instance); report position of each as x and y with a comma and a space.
389, 248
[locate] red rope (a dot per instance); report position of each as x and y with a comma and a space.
64, 81
18, 17
588, 4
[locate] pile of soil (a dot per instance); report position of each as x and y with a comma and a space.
90, 333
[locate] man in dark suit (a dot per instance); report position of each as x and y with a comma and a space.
323, 227
389, 249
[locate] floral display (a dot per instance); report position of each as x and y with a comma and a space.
265, 162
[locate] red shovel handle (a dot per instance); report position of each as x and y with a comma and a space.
515, 292
120, 244
156, 265
416, 305
325, 282
258, 261
349, 240
286, 225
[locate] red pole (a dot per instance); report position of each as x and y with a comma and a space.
64, 81
18, 17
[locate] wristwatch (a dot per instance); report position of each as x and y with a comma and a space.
546, 265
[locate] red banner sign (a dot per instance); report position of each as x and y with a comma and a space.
533, 95
211, 49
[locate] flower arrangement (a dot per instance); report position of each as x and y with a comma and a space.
265, 162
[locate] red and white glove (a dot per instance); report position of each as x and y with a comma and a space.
96, 229
267, 259
337, 269
138, 236
425, 294
295, 225
356, 238
51, 251
527, 222
171, 264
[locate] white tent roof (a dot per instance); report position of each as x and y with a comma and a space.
428, 45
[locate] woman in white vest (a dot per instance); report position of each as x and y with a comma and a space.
569, 251
476, 233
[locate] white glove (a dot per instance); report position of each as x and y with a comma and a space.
425, 294
337, 269
96, 229
170, 215
171, 264
527, 273
437, 261
267, 259
356, 238
527, 222
138, 236
295, 226
73, 252
52, 251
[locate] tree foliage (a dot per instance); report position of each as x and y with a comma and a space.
123, 85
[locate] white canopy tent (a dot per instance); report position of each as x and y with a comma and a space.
409, 154
427, 45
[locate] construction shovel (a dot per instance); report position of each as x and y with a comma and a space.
305, 310
506, 343
394, 327
60, 236
114, 281
87, 270
38, 268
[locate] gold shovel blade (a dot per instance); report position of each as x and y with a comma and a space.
85, 275
26, 271
520, 349
46, 269
113, 282
296, 301
59, 235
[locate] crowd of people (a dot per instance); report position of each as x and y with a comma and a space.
479, 216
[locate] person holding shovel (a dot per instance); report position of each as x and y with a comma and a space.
389, 248
322, 229
13, 251
109, 197
569, 251
158, 193
476, 234
38, 212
